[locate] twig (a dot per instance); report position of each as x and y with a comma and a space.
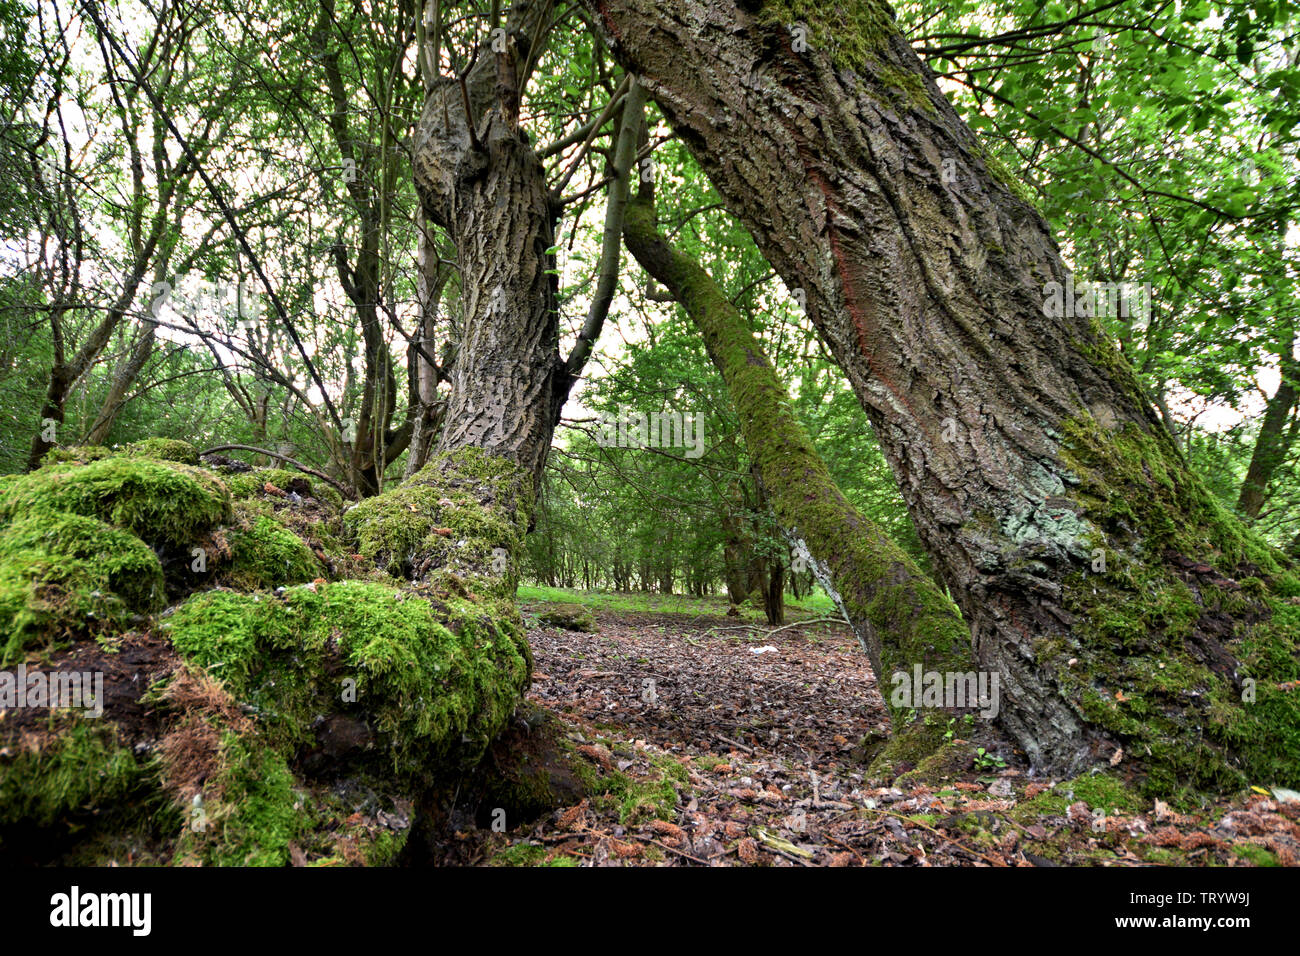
285, 458
940, 835
664, 846
736, 744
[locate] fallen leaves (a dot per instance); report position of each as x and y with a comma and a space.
763, 741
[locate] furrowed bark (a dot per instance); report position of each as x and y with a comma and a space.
462, 517
481, 181
898, 614
1063, 518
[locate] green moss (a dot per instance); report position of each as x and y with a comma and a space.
161, 449
164, 449
856, 36
437, 681
465, 512
638, 799
73, 773
252, 484
528, 854
256, 815
940, 762
1142, 671
63, 574
159, 502
265, 554
385, 848
1100, 791
1256, 854
909, 743
1006, 176
655, 796
571, 617
77, 453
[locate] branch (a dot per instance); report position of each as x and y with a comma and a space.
345, 492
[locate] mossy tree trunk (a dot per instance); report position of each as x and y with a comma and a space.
1277, 435
1127, 614
899, 615
479, 179
459, 521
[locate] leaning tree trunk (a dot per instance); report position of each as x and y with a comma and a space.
899, 616
1129, 617
1275, 439
123, 379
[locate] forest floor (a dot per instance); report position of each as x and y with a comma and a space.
732, 744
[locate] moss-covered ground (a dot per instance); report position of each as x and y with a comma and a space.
272, 694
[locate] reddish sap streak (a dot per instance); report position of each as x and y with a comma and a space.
856, 312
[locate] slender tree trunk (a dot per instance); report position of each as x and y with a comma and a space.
1077, 543
900, 617
431, 278
141, 352
1274, 441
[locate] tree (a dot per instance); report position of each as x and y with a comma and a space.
899, 616
1080, 547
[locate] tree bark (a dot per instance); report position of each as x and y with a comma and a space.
1054, 503
123, 379
899, 616
480, 180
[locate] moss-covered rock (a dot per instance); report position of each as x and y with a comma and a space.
164, 449
159, 449
418, 680
265, 554
571, 617
280, 727
163, 503
77, 454
65, 574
